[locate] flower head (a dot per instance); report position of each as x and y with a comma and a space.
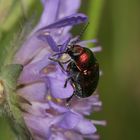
42, 80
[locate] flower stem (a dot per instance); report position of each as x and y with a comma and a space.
94, 13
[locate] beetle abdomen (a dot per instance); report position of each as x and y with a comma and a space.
89, 82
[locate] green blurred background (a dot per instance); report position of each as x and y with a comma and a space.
116, 25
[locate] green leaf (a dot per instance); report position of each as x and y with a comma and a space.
10, 74
11, 107
12, 10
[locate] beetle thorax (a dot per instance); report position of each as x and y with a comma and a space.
75, 51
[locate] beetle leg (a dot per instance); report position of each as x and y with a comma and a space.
65, 62
77, 75
68, 100
66, 81
58, 54
74, 83
60, 64
56, 59
76, 86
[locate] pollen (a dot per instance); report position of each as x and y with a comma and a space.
45, 70
59, 100
46, 33
49, 97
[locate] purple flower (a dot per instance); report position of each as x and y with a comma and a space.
42, 80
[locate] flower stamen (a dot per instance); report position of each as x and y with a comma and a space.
57, 100
49, 98
49, 69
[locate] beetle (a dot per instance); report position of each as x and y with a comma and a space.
82, 67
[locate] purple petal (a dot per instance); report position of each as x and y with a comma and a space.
67, 21
65, 37
57, 136
36, 109
46, 37
57, 88
34, 92
32, 45
29, 50
31, 72
68, 7
57, 107
87, 41
69, 120
49, 15
92, 104
57, 9
39, 125
92, 137
85, 127
73, 136
56, 81
96, 49
42, 54
65, 45
99, 122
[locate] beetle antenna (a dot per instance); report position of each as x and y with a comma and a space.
83, 30
80, 34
